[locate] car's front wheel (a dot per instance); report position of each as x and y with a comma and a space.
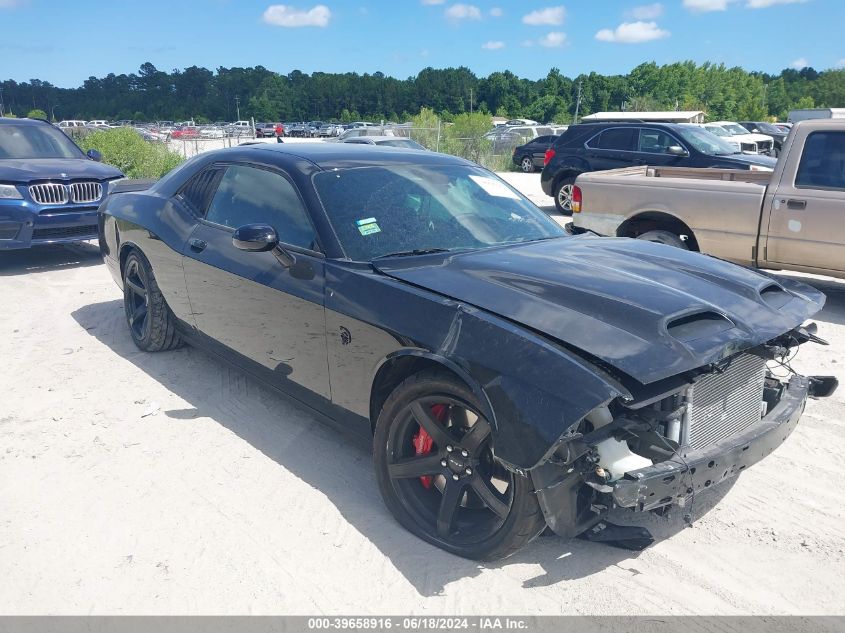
151, 323
439, 476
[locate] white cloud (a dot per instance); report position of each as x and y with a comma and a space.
496, 12
555, 39
493, 45
800, 63
632, 33
762, 4
290, 17
432, 2
463, 12
704, 6
548, 16
646, 12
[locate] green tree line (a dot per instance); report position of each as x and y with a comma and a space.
205, 95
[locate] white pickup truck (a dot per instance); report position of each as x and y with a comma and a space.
792, 218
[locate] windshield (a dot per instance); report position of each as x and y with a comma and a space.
735, 128
768, 128
706, 143
377, 211
717, 130
35, 141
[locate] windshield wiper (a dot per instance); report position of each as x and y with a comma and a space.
416, 251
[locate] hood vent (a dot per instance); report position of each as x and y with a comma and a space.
699, 325
775, 296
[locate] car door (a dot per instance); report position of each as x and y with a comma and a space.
269, 311
612, 148
653, 145
807, 217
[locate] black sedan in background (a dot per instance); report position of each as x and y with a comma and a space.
530, 156
512, 376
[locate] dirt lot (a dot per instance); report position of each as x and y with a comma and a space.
171, 483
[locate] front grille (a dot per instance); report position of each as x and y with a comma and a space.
64, 232
86, 191
749, 147
723, 404
764, 146
49, 193
56, 193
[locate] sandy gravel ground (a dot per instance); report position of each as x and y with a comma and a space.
170, 483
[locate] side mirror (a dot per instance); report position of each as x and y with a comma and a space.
255, 238
95, 155
676, 150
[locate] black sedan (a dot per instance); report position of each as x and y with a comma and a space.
530, 156
511, 376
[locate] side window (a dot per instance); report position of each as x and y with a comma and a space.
248, 195
822, 163
196, 193
655, 141
619, 138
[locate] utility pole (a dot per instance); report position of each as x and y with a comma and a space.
470, 100
238, 106
577, 103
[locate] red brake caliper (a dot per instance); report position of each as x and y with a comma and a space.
423, 441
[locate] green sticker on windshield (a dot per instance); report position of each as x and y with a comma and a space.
368, 226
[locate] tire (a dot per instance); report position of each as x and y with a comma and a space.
664, 237
563, 194
152, 325
527, 165
457, 497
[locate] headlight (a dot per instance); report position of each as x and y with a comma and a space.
10, 192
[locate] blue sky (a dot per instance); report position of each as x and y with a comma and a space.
64, 41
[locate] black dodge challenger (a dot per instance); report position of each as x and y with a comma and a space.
512, 376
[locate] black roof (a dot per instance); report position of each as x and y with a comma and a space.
344, 155
8, 121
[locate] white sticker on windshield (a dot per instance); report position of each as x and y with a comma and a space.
494, 187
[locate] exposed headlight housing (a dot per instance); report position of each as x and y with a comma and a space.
760, 168
10, 192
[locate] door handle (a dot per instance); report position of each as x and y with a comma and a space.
198, 246
796, 204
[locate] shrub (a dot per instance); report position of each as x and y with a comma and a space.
125, 149
465, 136
36, 114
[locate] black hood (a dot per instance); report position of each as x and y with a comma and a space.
30, 170
652, 311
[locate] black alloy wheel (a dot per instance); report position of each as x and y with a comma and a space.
151, 323
135, 298
439, 476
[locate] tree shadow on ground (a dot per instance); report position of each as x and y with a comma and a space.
299, 441
46, 258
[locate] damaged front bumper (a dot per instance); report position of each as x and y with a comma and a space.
677, 480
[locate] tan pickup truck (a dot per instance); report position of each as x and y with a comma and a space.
792, 218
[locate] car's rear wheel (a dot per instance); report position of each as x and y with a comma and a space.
151, 323
563, 194
527, 165
439, 476
664, 237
